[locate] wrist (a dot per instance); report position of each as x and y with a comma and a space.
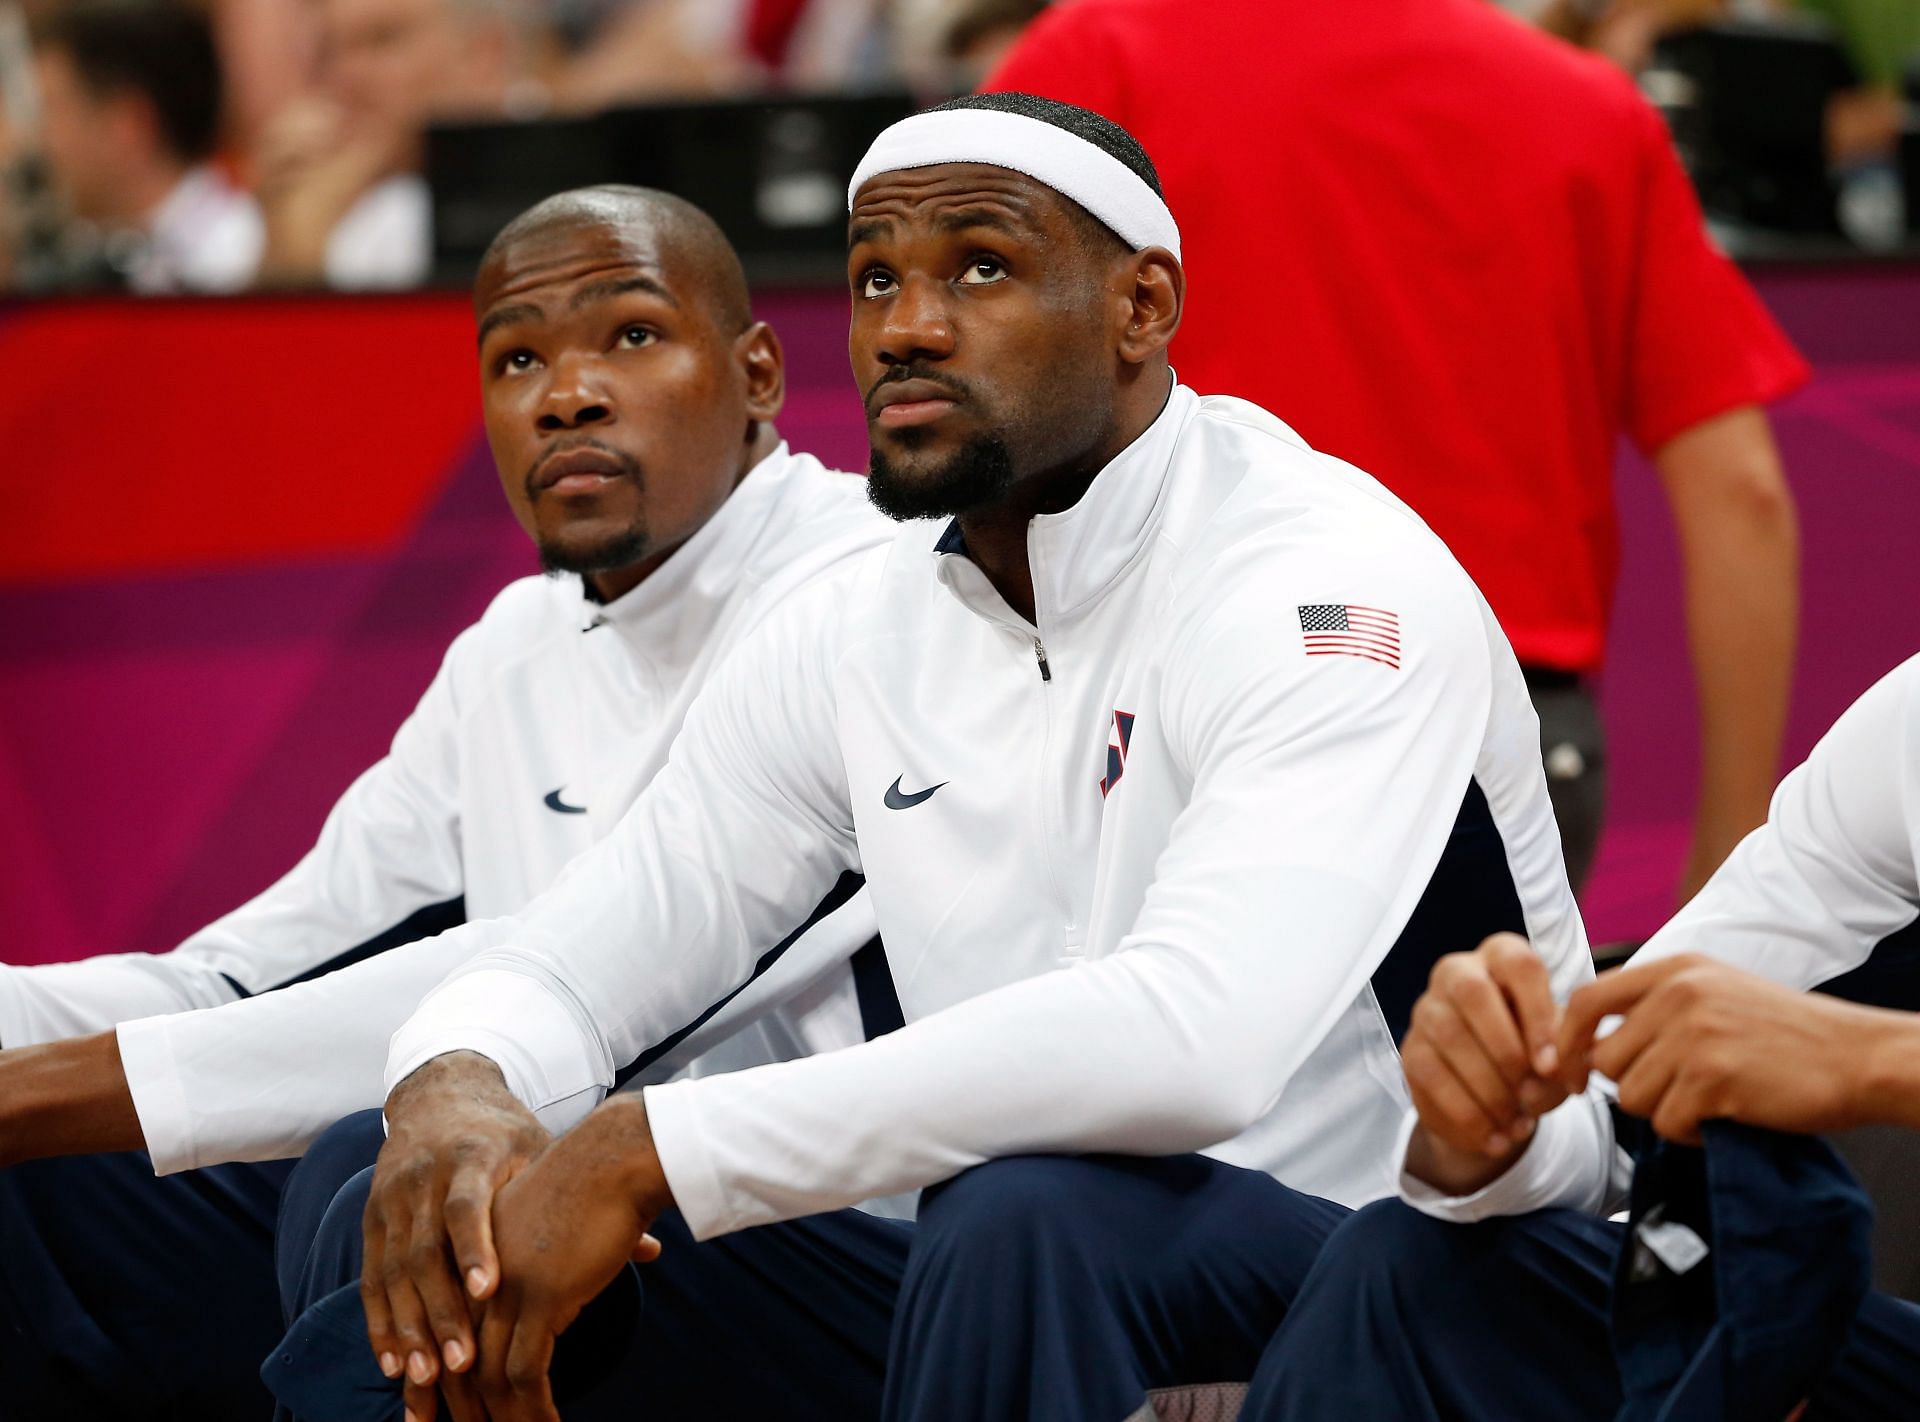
1888, 1090
464, 1074
619, 1138
1455, 1172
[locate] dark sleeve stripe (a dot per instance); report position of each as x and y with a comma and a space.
422, 923
873, 982
1889, 978
1470, 895
849, 885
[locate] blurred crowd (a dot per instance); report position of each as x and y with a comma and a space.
221, 145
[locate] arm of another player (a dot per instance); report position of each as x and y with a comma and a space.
732, 845
1702, 1040
1739, 546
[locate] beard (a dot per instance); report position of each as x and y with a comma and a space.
606, 554
978, 473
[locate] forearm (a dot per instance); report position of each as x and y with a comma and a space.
260, 1079
1739, 543
54, 1001
65, 1098
1890, 1093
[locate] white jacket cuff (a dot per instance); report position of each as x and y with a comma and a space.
159, 1094
520, 1026
673, 1117
1566, 1165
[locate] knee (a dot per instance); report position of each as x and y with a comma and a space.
1390, 1248
344, 1149
1035, 1196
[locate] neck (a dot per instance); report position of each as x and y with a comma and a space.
997, 534
616, 583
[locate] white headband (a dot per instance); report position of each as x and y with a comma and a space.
1068, 164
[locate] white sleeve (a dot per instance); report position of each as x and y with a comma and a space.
1323, 792
389, 849
1808, 895
694, 896
259, 1079
1801, 900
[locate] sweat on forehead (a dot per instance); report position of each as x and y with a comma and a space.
686, 237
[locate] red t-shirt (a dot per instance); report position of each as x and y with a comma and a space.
1442, 246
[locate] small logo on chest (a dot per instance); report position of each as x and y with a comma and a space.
1117, 741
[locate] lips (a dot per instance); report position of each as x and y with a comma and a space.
578, 470
902, 403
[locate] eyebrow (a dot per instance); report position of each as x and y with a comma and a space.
958, 220
585, 296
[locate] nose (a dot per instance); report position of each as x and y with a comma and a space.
918, 324
575, 396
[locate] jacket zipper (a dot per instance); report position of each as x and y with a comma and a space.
1040, 655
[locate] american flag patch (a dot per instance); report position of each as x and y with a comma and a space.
1335, 629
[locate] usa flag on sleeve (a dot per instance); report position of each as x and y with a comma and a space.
1335, 629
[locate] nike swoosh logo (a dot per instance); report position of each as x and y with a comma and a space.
898, 801
559, 806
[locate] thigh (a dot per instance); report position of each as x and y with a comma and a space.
788, 1320
1408, 1317
1174, 1270
1877, 1376
158, 1290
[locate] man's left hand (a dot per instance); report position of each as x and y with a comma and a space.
1702, 1041
564, 1227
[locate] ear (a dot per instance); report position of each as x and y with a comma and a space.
1159, 290
764, 365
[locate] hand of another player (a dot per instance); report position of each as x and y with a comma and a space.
1702, 1040
1481, 1063
455, 1136
564, 1227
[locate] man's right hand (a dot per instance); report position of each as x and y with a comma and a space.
455, 1135
1480, 1060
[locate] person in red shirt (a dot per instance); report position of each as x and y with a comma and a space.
1463, 256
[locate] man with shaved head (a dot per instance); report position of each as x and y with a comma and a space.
629, 400
1174, 753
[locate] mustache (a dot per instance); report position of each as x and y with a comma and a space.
627, 464
957, 389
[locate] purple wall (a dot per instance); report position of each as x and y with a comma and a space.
169, 744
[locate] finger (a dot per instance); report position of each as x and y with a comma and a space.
1446, 1108
1606, 996
1613, 1055
413, 1337
431, 1268
462, 1396
489, 1372
1522, 976
647, 1250
1647, 1081
1461, 1050
373, 1294
1488, 1015
420, 1403
529, 1360
469, 1217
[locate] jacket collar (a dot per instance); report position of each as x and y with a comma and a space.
1078, 554
701, 575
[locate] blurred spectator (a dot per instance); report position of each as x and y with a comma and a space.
128, 115
958, 43
338, 168
648, 49
1464, 256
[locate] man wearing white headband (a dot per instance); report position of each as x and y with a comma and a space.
1174, 753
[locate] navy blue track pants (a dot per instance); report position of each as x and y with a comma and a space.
127, 1295
1039, 1287
1411, 1318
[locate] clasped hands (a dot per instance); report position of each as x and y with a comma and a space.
485, 1237
1489, 1053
